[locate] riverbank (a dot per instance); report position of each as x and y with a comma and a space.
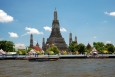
52, 57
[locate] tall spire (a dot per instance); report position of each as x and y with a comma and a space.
31, 40
70, 35
70, 38
55, 14
37, 44
31, 36
55, 36
43, 44
75, 39
55, 27
43, 41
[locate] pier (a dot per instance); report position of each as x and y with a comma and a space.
29, 57
52, 57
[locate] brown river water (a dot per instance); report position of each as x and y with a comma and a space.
58, 68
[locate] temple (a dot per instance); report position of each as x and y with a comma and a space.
88, 47
55, 37
37, 48
70, 39
31, 41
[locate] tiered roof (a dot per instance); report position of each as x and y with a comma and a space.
37, 48
88, 46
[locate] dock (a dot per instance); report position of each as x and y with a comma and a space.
72, 56
30, 57
52, 57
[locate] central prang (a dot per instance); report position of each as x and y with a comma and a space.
55, 36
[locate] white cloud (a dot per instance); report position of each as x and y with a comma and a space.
94, 37
63, 30
111, 13
13, 35
20, 46
4, 17
47, 28
108, 42
31, 31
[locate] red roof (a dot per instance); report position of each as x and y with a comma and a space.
37, 48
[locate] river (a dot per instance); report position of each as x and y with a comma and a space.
58, 68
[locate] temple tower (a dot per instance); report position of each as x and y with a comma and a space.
75, 39
70, 37
37, 44
31, 40
55, 36
88, 46
55, 27
43, 44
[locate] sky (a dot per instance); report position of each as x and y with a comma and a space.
89, 20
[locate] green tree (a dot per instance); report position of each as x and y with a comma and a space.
21, 51
28, 49
7, 46
73, 46
110, 48
53, 48
81, 48
99, 46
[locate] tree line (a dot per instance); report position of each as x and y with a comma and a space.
7, 46
100, 47
108, 48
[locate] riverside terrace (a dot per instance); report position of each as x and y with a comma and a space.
34, 57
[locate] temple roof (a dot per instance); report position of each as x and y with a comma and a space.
94, 50
37, 48
88, 46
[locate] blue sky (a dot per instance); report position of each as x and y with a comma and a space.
89, 20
